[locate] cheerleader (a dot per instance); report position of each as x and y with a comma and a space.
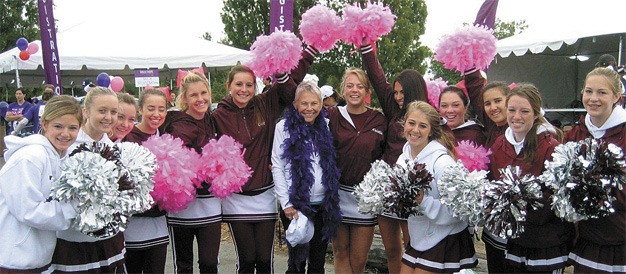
453, 104
75, 251
528, 142
251, 120
146, 235
126, 117
202, 219
408, 86
359, 134
27, 233
307, 185
601, 244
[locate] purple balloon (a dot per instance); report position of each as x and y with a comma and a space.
22, 43
103, 80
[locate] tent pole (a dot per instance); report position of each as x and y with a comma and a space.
17, 72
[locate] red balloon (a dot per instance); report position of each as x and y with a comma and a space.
24, 55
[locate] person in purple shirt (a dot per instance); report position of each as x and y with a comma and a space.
17, 109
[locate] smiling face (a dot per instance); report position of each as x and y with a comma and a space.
354, 92
153, 111
417, 130
599, 99
398, 94
520, 116
309, 106
452, 108
126, 117
198, 98
61, 132
242, 88
101, 115
495, 106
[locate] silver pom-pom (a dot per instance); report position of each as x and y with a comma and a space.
407, 181
582, 176
370, 192
91, 180
462, 190
507, 200
138, 167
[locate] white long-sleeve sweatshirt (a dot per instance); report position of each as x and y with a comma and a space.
437, 221
28, 223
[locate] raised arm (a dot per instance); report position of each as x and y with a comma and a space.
384, 90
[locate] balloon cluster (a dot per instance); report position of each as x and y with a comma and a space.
115, 83
26, 49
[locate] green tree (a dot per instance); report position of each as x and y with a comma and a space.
502, 29
398, 50
19, 19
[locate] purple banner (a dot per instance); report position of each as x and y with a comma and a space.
487, 14
281, 15
49, 49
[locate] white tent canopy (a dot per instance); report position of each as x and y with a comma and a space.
557, 58
108, 55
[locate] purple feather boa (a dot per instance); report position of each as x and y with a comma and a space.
303, 141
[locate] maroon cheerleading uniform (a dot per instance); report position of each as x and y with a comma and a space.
359, 140
251, 214
601, 242
146, 236
546, 240
203, 216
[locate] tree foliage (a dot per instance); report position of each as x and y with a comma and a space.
502, 29
397, 51
19, 19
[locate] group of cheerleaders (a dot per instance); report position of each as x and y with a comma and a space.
341, 143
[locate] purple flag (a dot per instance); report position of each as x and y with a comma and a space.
281, 15
487, 14
49, 49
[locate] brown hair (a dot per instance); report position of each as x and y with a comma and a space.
444, 137
59, 106
260, 120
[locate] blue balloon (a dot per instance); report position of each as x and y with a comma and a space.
103, 80
22, 43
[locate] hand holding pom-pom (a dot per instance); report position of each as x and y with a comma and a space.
468, 47
175, 178
319, 27
370, 192
461, 190
276, 53
507, 200
223, 166
583, 176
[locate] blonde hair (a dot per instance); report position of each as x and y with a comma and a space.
192, 77
95, 92
611, 77
360, 75
59, 106
439, 133
126, 98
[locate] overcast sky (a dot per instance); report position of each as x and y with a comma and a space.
143, 20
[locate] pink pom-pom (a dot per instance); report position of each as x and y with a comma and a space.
377, 21
174, 180
319, 27
351, 30
468, 47
278, 52
366, 24
223, 166
434, 88
474, 157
